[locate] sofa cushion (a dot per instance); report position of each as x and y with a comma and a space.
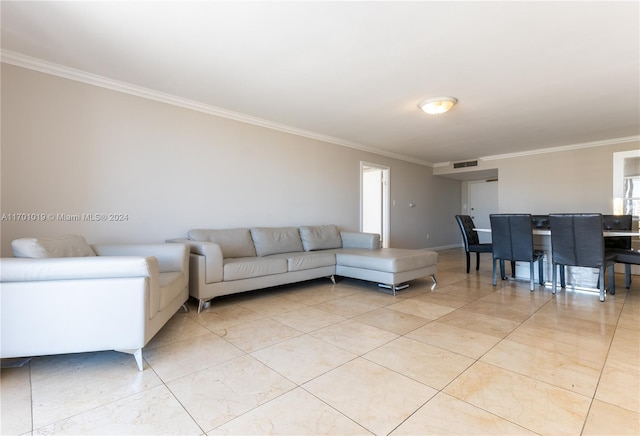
274, 240
248, 267
320, 237
232, 242
300, 261
61, 246
387, 259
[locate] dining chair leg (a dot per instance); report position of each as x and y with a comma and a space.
477, 261
627, 276
553, 280
541, 272
531, 278
601, 283
513, 269
612, 280
563, 281
495, 273
468, 261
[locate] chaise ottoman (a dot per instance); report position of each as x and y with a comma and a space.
391, 267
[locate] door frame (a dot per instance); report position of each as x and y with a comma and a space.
386, 189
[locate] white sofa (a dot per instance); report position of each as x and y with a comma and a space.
61, 295
227, 261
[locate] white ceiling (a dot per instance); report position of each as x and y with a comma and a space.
528, 75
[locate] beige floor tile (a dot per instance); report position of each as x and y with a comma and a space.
15, 400
392, 320
181, 358
448, 277
154, 411
489, 325
432, 366
373, 396
441, 298
566, 323
586, 309
513, 312
516, 295
254, 335
180, 327
620, 385
303, 358
445, 415
374, 298
270, 305
224, 392
580, 376
625, 347
421, 308
592, 349
68, 384
353, 336
295, 413
220, 317
456, 339
318, 292
607, 420
308, 319
346, 307
521, 400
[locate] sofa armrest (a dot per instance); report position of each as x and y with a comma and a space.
173, 257
213, 259
76, 268
370, 241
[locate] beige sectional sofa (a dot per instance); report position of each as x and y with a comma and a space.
227, 261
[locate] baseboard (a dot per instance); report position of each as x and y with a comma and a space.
443, 247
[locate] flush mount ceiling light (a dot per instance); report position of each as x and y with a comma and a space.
437, 105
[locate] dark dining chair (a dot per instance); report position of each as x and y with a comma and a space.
512, 239
620, 246
472, 242
577, 240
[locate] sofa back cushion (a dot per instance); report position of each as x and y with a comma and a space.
60, 246
274, 240
232, 242
320, 237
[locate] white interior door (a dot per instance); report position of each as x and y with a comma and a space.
374, 201
483, 201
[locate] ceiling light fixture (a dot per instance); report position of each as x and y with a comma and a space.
437, 105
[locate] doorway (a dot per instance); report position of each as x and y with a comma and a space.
483, 201
374, 200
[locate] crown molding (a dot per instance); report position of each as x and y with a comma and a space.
604, 142
23, 61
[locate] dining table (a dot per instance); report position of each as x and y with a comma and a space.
605, 233
582, 278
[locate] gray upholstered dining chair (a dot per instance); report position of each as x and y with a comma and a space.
620, 246
512, 239
577, 240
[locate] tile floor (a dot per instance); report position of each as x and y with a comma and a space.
314, 358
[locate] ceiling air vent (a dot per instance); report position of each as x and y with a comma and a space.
470, 163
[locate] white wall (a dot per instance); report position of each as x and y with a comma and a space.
72, 148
